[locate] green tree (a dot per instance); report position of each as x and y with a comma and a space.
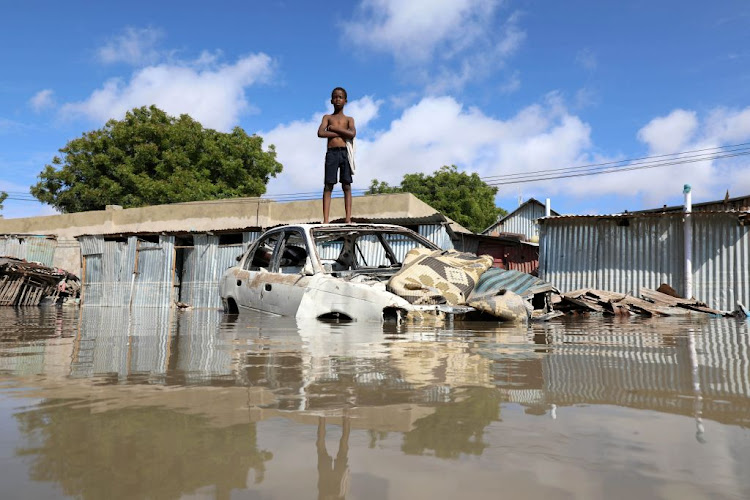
151, 158
464, 198
456, 428
3, 196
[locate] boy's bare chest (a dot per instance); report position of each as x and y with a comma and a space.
338, 121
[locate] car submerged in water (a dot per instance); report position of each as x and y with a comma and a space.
326, 271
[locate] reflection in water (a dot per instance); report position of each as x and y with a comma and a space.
456, 428
159, 403
333, 473
136, 452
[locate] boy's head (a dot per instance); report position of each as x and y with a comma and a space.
340, 89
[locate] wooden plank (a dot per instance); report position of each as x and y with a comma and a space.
582, 304
703, 309
663, 298
576, 293
605, 296
690, 304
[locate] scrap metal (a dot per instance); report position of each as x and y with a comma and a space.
24, 283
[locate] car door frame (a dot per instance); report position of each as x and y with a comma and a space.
282, 293
250, 281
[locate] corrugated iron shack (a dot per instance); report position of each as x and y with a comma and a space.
157, 269
29, 247
737, 204
626, 252
521, 221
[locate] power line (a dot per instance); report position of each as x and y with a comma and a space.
622, 168
645, 162
610, 170
634, 161
16, 198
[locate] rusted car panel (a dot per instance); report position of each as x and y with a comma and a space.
325, 270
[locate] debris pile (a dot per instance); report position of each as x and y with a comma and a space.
651, 303
25, 283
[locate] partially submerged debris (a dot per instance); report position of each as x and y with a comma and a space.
651, 303
25, 283
462, 279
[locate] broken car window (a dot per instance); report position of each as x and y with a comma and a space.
261, 255
370, 252
293, 252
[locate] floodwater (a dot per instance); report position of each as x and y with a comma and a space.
102, 403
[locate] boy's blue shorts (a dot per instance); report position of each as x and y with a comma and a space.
337, 160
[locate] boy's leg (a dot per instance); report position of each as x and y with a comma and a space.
347, 201
327, 202
346, 185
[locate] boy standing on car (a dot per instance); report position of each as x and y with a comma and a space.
338, 129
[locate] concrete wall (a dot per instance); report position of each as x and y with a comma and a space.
217, 215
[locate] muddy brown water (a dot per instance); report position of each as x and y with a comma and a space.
102, 403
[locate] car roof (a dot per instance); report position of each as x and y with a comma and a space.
389, 227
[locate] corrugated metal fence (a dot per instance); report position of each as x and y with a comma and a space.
28, 247
624, 254
523, 221
135, 272
437, 234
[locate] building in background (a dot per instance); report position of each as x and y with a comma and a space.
512, 241
521, 221
626, 252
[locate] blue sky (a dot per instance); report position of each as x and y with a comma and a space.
494, 87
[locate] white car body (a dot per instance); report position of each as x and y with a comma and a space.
321, 271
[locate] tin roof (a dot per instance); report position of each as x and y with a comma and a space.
741, 214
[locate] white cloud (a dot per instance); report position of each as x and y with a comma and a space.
363, 110
134, 46
671, 133
728, 126
301, 151
680, 131
463, 38
44, 99
212, 94
434, 132
440, 131
414, 29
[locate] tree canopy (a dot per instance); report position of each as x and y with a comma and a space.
464, 198
151, 158
3, 196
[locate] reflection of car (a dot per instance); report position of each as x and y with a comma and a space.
325, 271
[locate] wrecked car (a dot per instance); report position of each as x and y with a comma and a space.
327, 271
375, 272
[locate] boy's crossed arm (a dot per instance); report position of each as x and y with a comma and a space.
327, 129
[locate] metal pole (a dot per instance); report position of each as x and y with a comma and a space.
688, 242
547, 208
700, 430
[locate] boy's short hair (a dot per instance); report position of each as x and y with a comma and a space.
342, 89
